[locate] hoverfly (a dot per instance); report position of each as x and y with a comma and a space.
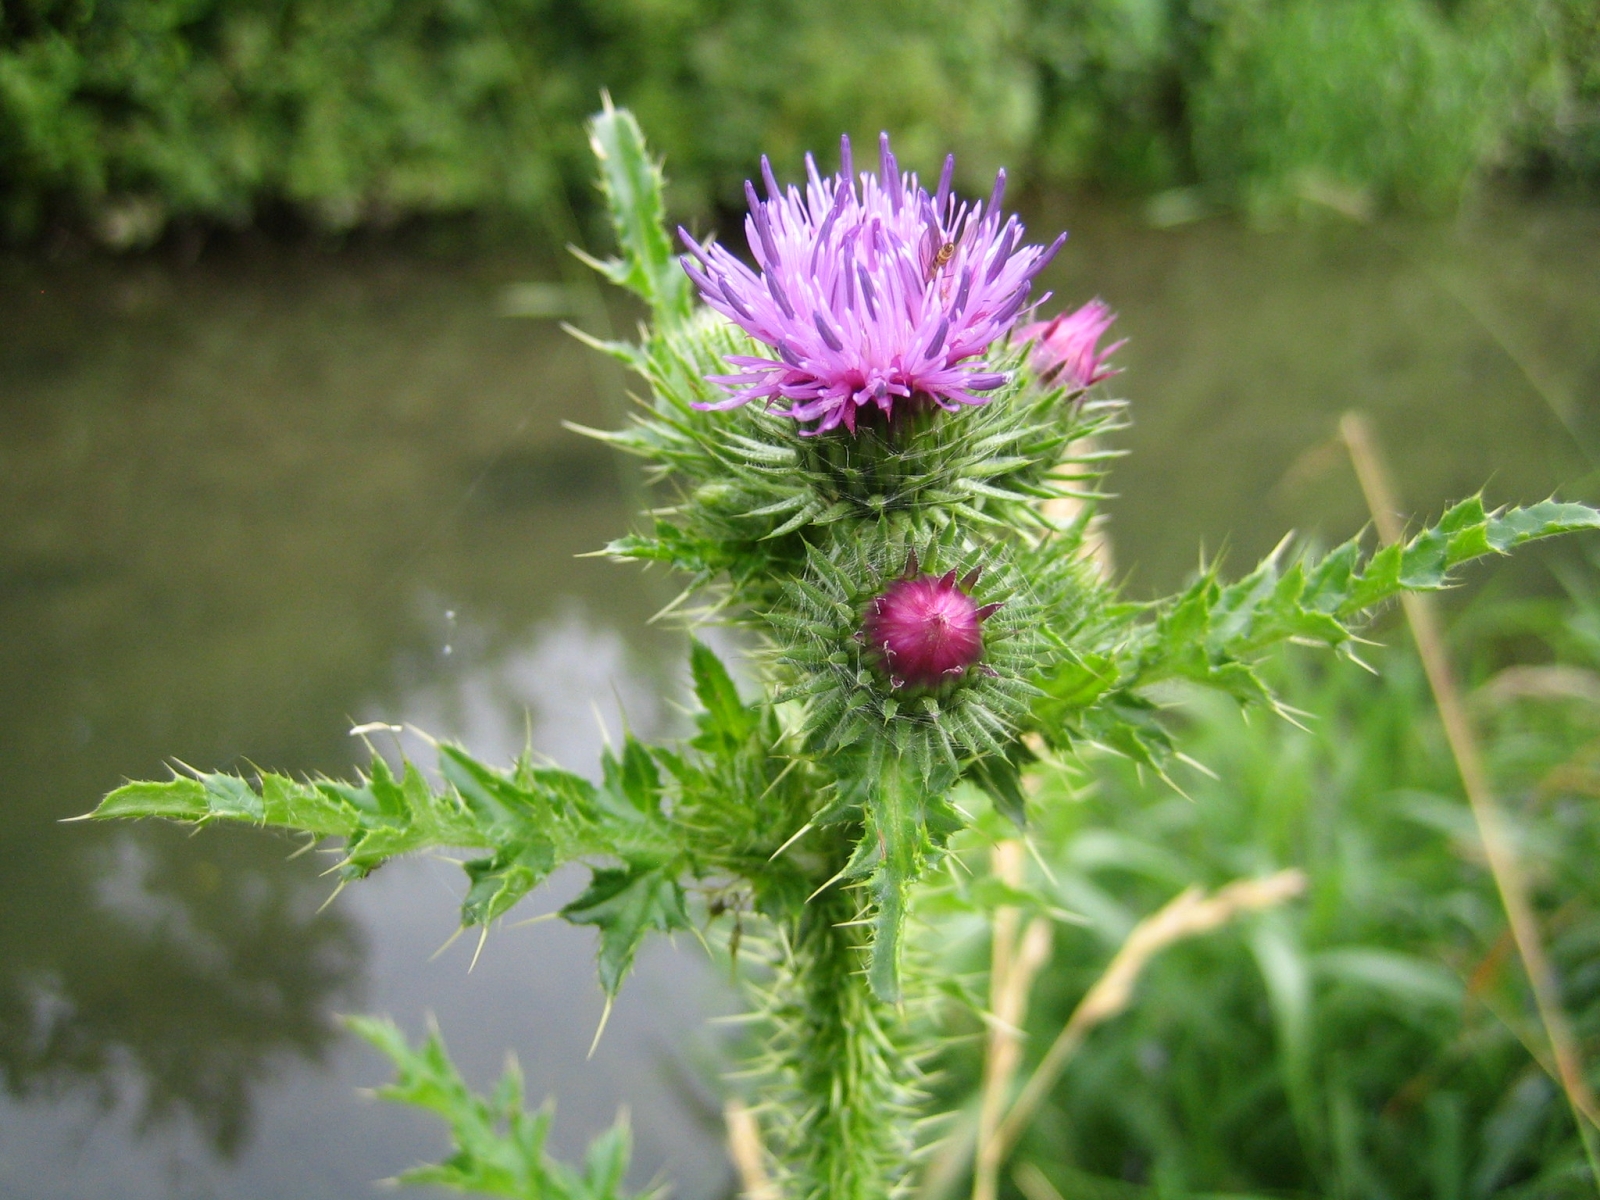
941, 259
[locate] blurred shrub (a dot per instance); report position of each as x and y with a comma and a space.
1377, 1037
1558, 128
1113, 81
781, 77
1379, 100
124, 113
351, 111
121, 115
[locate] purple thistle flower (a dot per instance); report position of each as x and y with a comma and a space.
926, 629
885, 298
1066, 349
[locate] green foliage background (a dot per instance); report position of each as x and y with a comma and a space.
120, 116
1376, 1038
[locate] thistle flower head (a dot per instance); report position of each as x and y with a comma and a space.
872, 294
1066, 348
925, 630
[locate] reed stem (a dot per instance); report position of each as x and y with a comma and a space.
1498, 849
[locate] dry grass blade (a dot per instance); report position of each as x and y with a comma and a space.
1011, 975
1187, 915
747, 1152
1555, 682
1497, 845
1031, 1183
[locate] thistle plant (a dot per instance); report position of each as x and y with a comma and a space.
873, 458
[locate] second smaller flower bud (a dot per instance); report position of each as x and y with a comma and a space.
1066, 348
925, 630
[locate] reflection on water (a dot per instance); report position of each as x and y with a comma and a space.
249, 502
570, 685
171, 977
1475, 346
240, 501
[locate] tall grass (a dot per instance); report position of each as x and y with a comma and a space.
1377, 1038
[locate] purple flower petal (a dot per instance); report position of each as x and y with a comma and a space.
1066, 348
943, 195
868, 296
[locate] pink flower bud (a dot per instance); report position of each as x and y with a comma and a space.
925, 630
1065, 349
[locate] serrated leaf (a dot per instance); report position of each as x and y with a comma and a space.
180, 799
498, 882
1079, 680
726, 721
897, 835
219, 796
632, 184
291, 804
631, 783
626, 904
530, 820
498, 1148
1213, 635
494, 800
1001, 779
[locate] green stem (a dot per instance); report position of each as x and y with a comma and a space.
846, 1132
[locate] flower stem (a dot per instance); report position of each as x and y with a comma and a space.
847, 1135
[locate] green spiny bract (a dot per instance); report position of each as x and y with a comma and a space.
748, 492
853, 705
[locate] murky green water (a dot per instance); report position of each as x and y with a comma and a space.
250, 501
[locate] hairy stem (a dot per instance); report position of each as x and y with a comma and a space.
846, 1134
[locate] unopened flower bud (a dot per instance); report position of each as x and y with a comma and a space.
925, 630
1066, 350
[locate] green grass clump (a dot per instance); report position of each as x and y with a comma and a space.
1376, 1038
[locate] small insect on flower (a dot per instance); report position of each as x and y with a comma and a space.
926, 630
1066, 348
874, 296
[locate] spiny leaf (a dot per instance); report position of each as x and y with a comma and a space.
531, 819
510, 874
496, 801
632, 184
1464, 533
897, 828
627, 904
498, 1147
1078, 680
1212, 634
181, 799
632, 782
1000, 776
323, 807
726, 721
